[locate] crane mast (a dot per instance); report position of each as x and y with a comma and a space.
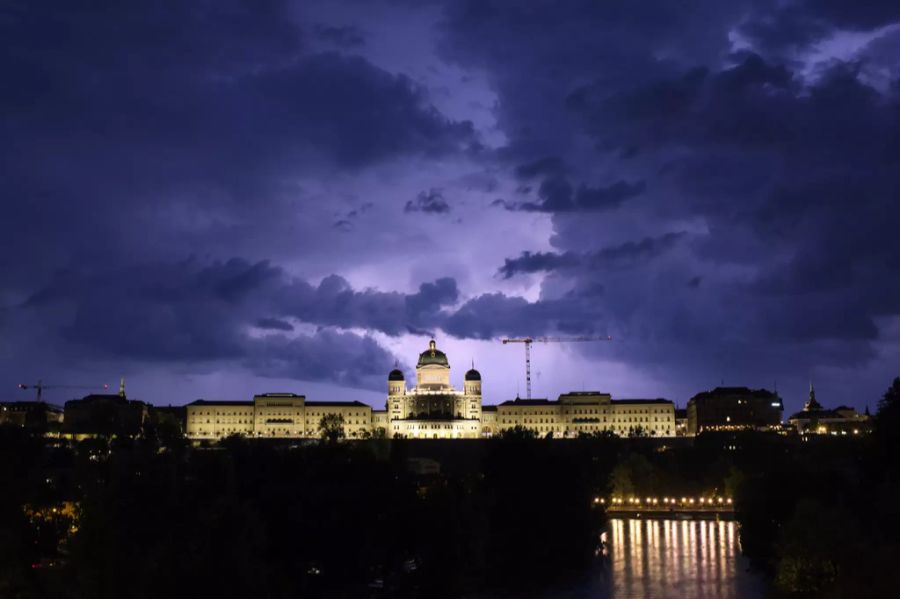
527, 341
40, 386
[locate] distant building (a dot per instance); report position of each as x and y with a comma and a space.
734, 408
681, 423
273, 415
433, 408
104, 414
589, 412
489, 421
34, 415
843, 420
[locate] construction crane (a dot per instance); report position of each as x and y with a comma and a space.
40, 386
529, 340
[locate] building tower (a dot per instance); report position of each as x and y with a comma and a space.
472, 394
472, 383
433, 369
811, 403
396, 383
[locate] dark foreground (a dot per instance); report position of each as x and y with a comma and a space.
153, 517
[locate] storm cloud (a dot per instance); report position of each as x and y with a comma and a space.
302, 190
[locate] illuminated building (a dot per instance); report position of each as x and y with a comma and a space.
432, 409
734, 408
589, 412
273, 415
843, 420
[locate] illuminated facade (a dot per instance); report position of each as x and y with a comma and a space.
432, 409
273, 416
589, 412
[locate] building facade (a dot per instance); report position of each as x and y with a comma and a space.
734, 408
816, 420
274, 416
104, 414
589, 412
432, 408
35, 415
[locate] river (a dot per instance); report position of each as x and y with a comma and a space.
677, 559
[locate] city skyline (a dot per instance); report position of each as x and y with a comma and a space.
456, 380
218, 202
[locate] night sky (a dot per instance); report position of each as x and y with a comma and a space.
218, 198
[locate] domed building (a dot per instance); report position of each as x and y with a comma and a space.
433, 408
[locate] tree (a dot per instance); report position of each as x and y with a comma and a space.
518, 433
889, 406
331, 427
637, 432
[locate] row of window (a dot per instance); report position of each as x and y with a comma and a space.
633, 419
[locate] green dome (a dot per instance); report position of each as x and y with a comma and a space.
433, 355
473, 375
396, 375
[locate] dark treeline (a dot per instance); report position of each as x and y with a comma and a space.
823, 519
155, 517
256, 519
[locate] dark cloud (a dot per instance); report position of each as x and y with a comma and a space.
784, 172
618, 256
274, 324
558, 195
550, 165
137, 136
188, 312
344, 36
789, 26
431, 201
628, 253
530, 262
189, 118
345, 359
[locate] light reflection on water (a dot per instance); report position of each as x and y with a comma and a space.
669, 559
677, 558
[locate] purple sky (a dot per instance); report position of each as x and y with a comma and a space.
216, 199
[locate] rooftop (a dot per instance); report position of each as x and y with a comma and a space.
527, 402
219, 402
658, 400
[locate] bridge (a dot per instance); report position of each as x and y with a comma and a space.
710, 507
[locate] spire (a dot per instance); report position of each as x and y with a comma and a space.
432, 346
122, 387
811, 403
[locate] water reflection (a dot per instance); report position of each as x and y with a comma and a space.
676, 558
